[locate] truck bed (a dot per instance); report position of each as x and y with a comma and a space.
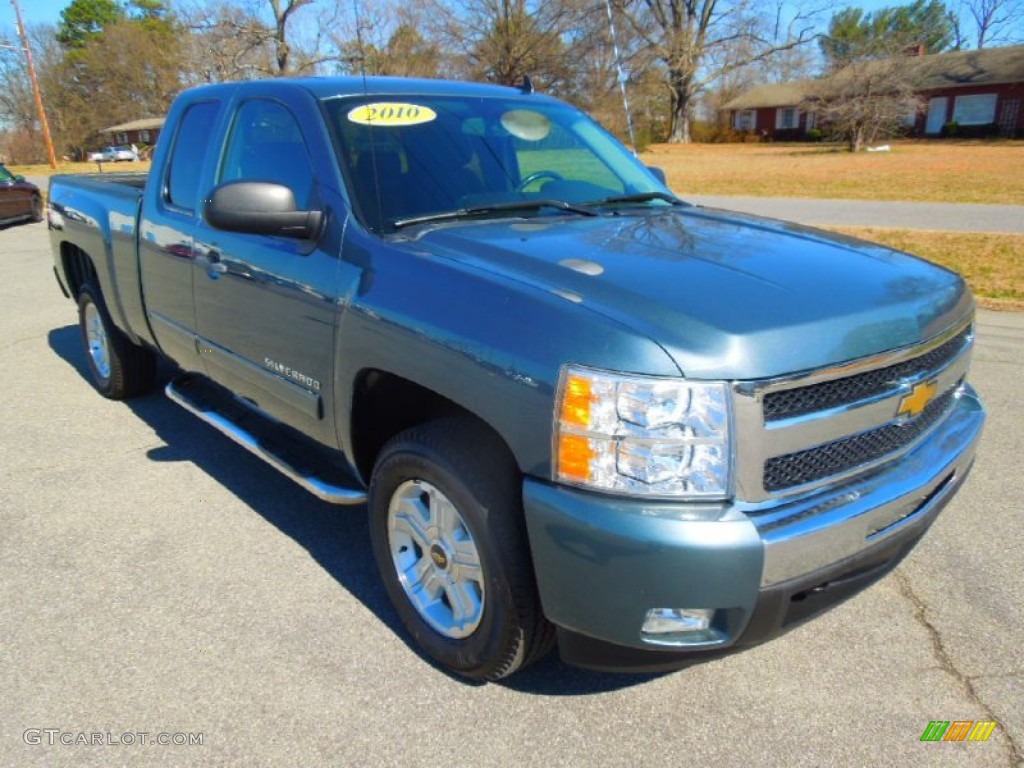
102, 208
122, 185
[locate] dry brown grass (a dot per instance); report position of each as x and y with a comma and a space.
46, 170
992, 264
936, 171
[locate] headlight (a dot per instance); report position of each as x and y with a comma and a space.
642, 435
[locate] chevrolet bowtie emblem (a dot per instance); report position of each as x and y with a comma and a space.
914, 403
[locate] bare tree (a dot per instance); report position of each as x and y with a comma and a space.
407, 54
246, 39
688, 40
283, 10
996, 21
868, 99
390, 39
17, 107
227, 42
503, 40
16, 101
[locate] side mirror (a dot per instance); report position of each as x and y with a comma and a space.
260, 208
19, 177
658, 173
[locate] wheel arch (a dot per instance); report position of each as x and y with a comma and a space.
78, 268
385, 404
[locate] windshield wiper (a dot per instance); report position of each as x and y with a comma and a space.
642, 197
483, 210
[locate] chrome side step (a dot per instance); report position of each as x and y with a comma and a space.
205, 410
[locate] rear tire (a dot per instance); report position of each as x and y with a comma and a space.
119, 369
449, 539
37, 208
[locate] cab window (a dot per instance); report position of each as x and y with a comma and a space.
266, 144
189, 154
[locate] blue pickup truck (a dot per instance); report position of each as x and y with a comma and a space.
579, 410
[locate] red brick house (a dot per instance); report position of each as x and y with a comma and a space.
978, 90
773, 110
140, 132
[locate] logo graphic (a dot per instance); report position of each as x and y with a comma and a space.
438, 555
958, 730
914, 404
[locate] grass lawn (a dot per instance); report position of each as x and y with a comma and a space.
920, 171
932, 171
46, 170
992, 264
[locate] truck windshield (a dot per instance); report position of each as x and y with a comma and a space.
410, 158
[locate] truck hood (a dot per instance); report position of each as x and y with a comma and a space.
726, 295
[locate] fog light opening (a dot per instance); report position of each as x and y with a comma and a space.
680, 626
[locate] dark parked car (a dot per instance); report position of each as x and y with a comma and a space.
19, 199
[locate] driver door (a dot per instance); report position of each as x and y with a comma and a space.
266, 305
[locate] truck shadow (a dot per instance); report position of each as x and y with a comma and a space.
17, 223
337, 539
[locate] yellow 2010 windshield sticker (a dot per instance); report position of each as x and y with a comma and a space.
387, 113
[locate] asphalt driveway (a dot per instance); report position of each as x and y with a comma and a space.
156, 579
955, 217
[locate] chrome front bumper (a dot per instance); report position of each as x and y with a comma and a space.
895, 500
602, 562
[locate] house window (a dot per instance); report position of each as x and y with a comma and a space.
812, 120
786, 118
977, 109
144, 137
746, 120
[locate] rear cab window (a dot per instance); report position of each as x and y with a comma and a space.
188, 155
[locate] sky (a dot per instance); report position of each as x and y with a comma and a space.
33, 11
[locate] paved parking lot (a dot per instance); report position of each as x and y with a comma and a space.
156, 579
950, 217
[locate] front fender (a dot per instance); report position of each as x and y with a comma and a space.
490, 344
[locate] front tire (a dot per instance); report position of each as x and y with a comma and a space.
449, 539
37, 208
119, 369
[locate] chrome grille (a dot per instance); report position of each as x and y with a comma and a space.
798, 433
838, 456
788, 403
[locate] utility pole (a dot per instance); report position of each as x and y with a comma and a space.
35, 86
